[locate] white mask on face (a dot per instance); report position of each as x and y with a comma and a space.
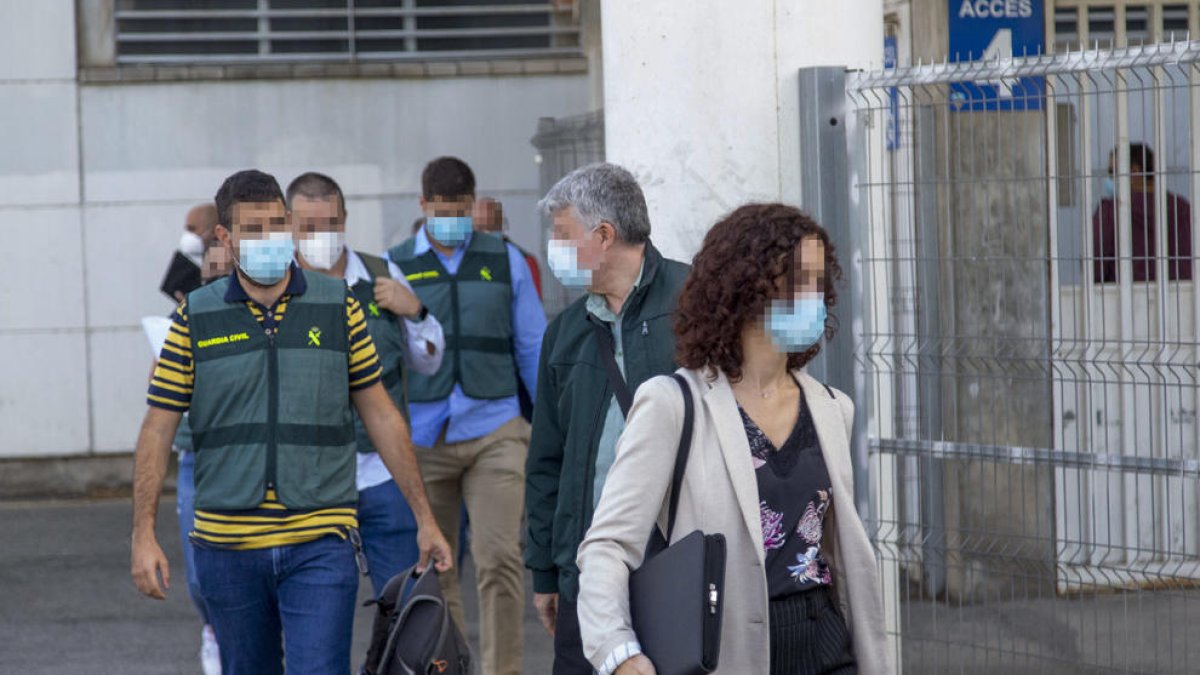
192, 246
322, 249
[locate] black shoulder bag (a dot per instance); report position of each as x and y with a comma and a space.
676, 596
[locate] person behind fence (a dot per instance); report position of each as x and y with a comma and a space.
156, 328
769, 466
406, 335
268, 362
1143, 205
601, 243
471, 439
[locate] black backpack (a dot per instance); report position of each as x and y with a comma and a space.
413, 633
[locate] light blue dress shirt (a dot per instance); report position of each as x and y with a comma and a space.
614, 419
470, 418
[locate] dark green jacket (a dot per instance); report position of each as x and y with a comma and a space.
568, 416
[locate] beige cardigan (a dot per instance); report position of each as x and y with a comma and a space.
720, 495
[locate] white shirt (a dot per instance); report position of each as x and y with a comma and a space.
419, 336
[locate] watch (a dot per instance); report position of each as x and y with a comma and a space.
421, 315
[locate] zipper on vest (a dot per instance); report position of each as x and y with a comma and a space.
457, 328
272, 408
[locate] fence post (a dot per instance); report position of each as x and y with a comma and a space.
825, 194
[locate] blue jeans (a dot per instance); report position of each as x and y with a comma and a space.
389, 532
185, 493
306, 591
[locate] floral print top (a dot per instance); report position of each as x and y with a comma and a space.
794, 494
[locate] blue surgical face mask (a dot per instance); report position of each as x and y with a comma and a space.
449, 230
795, 325
266, 261
562, 257
1110, 187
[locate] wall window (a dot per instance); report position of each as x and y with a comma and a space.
1104, 24
235, 31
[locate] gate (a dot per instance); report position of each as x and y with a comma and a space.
1025, 351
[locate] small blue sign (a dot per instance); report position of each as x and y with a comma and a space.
893, 111
987, 30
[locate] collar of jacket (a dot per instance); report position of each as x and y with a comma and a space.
652, 261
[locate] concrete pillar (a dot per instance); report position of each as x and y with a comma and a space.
97, 40
701, 99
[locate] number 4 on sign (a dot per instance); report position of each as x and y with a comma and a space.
1000, 49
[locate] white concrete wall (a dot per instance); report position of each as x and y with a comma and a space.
701, 99
95, 182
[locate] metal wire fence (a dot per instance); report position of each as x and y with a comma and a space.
1029, 345
564, 144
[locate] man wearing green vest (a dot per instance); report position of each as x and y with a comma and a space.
406, 336
471, 439
270, 363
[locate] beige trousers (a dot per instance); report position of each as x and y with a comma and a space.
488, 474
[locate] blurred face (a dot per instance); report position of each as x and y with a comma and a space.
254, 221
448, 221
1137, 176
199, 222
316, 214
319, 225
806, 278
488, 216
259, 241
217, 263
576, 253
795, 319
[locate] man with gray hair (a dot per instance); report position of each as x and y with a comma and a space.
594, 355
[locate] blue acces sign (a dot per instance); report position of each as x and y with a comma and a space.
997, 29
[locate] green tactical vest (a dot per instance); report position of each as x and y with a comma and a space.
475, 309
183, 435
272, 409
390, 343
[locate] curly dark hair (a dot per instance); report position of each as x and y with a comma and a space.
735, 274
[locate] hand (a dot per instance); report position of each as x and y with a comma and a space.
547, 610
432, 544
394, 297
148, 562
638, 665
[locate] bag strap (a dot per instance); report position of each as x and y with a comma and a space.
616, 381
685, 449
376, 266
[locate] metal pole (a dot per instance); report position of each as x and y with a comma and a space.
825, 195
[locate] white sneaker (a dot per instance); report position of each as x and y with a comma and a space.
210, 653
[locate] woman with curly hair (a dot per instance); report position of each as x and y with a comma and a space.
769, 466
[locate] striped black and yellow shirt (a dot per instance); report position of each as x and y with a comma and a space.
271, 524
